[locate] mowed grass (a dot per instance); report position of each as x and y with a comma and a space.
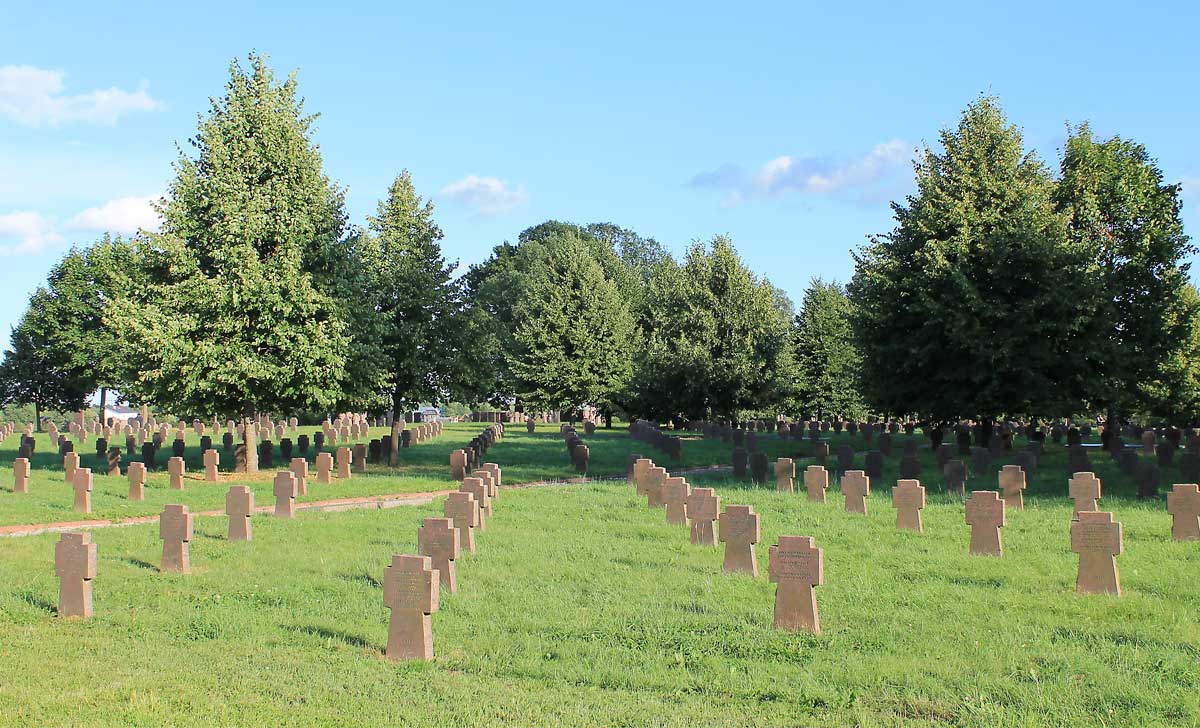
524, 457
583, 607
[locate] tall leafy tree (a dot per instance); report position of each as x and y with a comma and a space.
239, 317
572, 332
32, 372
418, 303
718, 340
827, 359
970, 307
78, 289
1172, 392
1128, 220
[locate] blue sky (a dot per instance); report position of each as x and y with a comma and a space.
787, 127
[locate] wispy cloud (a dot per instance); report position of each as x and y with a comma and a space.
863, 178
486, 196
125, 215
26, 233
35, 96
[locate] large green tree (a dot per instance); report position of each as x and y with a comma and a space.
418, 303
971, 306
32, 372
572, 331
78, 288
1120, 211
717, 340
827, 360
239, 315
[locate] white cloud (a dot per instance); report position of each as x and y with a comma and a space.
488, 196
856, 178
35, 96
125, 216
26, 233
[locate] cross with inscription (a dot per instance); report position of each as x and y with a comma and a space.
75, 566
797, 566
675, 492
1084, 489
1183, 503
985, 514
239, 506
703, 507
856, 486
1097, 539
785, 475
740, 530
437, 538
1012, 485
410, 590
478, 489
816, 482
175, 530
284, 488
83, 490
908, 497
463, 510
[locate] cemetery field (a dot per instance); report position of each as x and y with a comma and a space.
422, 468
583, 607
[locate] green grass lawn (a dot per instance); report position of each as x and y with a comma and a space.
524, 458
582, 607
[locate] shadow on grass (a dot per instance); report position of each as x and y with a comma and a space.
365, 579
37, 602
329, 634
140, 564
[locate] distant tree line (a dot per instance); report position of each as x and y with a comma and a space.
1003, 291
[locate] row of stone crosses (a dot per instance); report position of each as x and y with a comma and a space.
344, 458
1095, 536
411, 583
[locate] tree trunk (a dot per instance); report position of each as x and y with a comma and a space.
985, 431
250, 439
608, 415
103, 406
936, 434
397, 422
37, 418
1110, 433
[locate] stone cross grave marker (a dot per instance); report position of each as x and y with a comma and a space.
70, 462
479, 490
284, 488
75, 566
955, 474
1084, 489
212, 459
458, 464
299, 468
740, 530
797, 566
462, 509
359, 460
437, 538
486, 477
908, 497
239, 506
21, 475
83, 490
494, 469
324, 467
758, 468
137, 481
1012, 486
703, 508
343, 462
675, 492
655, 477
785, 475
175, 530
114, 462
410, 590
985, 514
1098, 541
856, 486
175, 472
1183, 503
816, 482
